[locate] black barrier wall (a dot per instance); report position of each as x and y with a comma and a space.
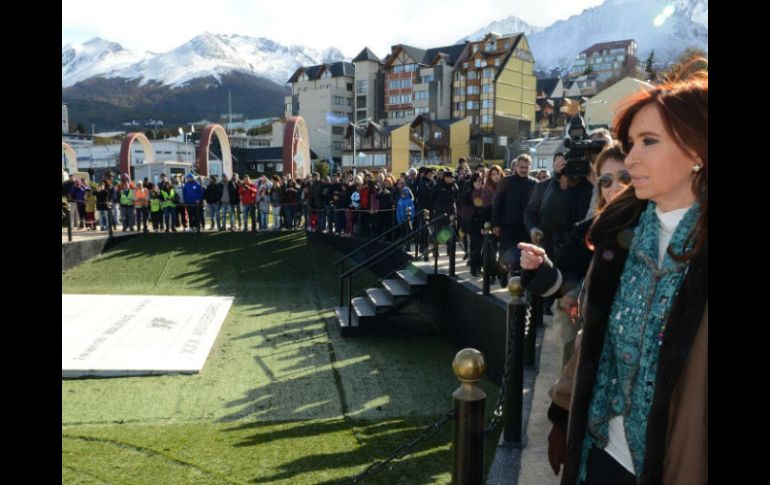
75, 252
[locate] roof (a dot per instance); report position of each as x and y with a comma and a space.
314, 72
366, 55
428, 57
607, 45
546, 86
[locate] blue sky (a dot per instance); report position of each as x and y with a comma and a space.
348, 25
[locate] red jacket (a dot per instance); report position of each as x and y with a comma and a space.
363, 191
248, 193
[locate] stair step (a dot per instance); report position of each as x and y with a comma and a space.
412, 278
380, 298
396, 288
341, 312
362, 307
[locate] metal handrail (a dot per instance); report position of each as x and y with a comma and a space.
370, 242
392, 246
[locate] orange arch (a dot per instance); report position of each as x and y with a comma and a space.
125, 151
296, 147
72, 159
202, 161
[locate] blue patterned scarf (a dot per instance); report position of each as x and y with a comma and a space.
625, 380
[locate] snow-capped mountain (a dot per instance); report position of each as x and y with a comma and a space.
504, 26
93, 58
687, 26
205, 55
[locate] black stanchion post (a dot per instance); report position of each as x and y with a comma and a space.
69, 223
408, 228
435, 249
514, 396
468, 437
109, 218
487, 249
536, 314
452, 245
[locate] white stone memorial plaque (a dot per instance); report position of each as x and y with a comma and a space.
121, 335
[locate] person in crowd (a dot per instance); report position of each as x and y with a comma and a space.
263, 205
248, 197
213, 195
225, 206
193, 197
78, 195
90, 209
156, 210
276, 194
127, 205
103, 197
141, 203
169, 201
291, 196
444, 201
471, 217
508, 206
542, 175
235, 201
638, 408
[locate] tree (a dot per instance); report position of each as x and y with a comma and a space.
322, 168
150, 134
649, 69
80, 129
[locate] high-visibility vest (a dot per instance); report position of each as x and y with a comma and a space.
154, 205
168, 198
140, 198
127, 198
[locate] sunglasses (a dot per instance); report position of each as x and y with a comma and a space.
624, 178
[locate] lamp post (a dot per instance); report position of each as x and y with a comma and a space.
360, 155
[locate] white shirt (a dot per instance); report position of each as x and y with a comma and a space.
617, 447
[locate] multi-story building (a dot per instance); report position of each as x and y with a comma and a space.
65, 119
419, 82
323, 96
603, 61
494, 87
369, 87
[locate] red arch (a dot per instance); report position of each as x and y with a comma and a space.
125, 151
202, 160
296, 141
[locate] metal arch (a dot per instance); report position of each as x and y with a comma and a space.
72, 158
202, 160
296, 147
125, 151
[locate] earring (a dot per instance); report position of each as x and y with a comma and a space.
697, 168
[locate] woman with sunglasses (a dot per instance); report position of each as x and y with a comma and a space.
637, 412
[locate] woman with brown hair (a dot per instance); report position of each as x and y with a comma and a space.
637, 412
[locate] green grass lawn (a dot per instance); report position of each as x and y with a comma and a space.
282, 397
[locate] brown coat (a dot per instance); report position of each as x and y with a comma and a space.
676, 450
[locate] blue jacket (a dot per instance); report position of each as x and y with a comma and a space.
192, 192
403, 203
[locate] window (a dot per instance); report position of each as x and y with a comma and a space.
421, 110
361, 87
487, 103
361, 101
475, 48
472, 105
393, 99
326, 74
288, 107
395, 84
489, 47
507, 45
486, 120
260, 167
497, 61
409, 68
406, 83
426, 79
350, 86
487, 88
489, 73
398, 68
478, 63
472, 75
465, 65
360, 115
338, 130
421, 95
338, 145
473, 90
458, 106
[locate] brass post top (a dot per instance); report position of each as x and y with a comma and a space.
514, 287
469, 365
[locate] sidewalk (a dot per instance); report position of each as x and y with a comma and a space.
527, 465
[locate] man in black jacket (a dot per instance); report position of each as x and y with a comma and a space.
444, 201
508, 206
213, 195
